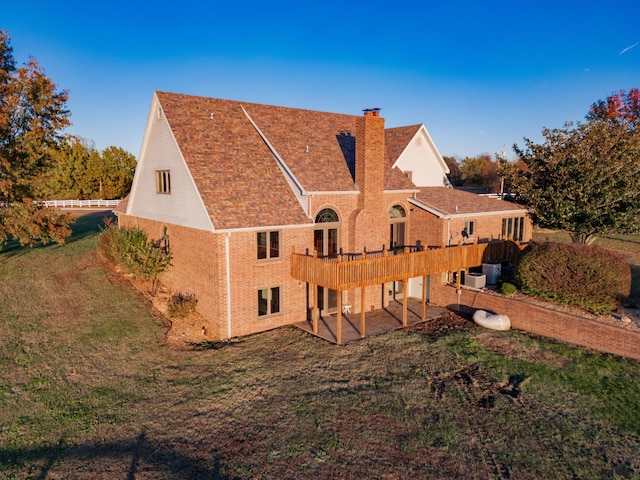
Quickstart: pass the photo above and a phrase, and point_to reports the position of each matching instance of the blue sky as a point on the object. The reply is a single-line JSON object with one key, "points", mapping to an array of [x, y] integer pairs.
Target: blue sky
{"points": [[479, 75]]}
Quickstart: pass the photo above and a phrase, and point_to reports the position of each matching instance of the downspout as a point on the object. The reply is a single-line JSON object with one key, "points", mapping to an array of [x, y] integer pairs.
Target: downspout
{"points": [[228, 276]]}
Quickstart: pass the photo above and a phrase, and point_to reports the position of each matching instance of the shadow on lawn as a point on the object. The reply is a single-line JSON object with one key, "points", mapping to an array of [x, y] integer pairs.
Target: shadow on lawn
{"points": [[634, 297], [83, 226], [107, 460], [89, 224]]}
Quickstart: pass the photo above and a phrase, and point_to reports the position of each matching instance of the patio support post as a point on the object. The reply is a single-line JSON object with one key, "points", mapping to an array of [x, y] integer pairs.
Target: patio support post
{"points": [[339, 326], [315, 308], [363, 277], [362, 313], [424, 297], [404, 302]]}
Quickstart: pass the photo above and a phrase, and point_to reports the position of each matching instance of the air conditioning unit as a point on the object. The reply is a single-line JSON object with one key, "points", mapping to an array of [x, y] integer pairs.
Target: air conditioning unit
{"points": [[475, 280]]}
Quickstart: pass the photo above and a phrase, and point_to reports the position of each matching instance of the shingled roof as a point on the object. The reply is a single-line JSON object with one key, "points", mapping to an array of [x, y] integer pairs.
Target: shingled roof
{"points": [[396, 141], [235, 170], [445, 201]]}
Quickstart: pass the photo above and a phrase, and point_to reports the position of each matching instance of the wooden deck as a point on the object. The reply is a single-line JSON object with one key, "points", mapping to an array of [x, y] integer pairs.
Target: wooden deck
{"points": [[339, 274], [378, 321], [353, 271]]}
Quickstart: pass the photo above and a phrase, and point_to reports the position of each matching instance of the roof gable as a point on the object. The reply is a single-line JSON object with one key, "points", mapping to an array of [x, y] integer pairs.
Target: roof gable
{"points": [[160, 152], [412, 150], [236, 174]]}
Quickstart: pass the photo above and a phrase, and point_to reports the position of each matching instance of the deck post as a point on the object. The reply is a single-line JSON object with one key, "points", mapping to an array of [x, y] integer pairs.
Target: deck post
{"points": [[424, 297], [363, 278], [315, 308], [339, 323], [362, 313], [405, 320]]}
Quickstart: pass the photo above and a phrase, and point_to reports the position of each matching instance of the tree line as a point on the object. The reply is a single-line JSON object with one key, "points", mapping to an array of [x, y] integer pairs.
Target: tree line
{"points": [[479, 173], [80, 171]]}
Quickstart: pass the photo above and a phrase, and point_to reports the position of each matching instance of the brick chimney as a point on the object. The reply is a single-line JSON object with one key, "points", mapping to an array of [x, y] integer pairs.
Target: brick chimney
{"points": [[371, 223], [370, 155]]}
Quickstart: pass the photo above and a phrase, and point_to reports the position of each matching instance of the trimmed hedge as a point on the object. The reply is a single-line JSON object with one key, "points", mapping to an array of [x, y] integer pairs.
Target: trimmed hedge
{"points": [[590, 277]]}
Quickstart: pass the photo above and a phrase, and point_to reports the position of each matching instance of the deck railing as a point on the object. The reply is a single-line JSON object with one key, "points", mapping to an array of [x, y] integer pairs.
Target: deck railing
{"points": [[342, 273]]}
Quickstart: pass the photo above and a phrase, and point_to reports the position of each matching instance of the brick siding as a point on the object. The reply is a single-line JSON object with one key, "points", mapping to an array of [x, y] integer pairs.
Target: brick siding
{"points": [[548, 323]]}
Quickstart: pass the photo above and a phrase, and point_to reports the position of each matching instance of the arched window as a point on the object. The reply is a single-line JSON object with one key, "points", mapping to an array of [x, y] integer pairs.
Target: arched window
{"points": [[398, 218], [397, 211], [327, 215]]}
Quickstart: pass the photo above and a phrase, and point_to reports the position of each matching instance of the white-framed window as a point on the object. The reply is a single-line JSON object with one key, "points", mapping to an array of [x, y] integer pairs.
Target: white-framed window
{"points": [[268, 301], [469, 228], [163, 181], [268, 245]]}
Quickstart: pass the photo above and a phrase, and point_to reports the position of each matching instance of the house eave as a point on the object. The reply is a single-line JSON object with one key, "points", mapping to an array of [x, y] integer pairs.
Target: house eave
{"points": [[442, 214]]}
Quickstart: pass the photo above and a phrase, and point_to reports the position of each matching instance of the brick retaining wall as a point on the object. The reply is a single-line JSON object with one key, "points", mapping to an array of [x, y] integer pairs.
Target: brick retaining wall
{"points": [[549, 323]]}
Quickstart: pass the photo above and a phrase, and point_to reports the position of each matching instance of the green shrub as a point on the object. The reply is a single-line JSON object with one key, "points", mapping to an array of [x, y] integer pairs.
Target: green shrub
{"points": [[130, 248], [508, 289], [584, 275], [182, 304]]}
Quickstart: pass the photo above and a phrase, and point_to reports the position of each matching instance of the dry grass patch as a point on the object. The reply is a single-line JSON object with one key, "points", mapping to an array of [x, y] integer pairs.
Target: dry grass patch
{"points": [[99, 395]]}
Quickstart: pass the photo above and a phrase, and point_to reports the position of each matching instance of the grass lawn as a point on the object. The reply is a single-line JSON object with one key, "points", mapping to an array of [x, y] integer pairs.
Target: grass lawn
{"points": [[89, 390]]}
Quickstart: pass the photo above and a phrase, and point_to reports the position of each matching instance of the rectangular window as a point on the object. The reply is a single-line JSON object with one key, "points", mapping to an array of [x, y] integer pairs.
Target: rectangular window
{"points": [[513, 228], [268, 301], [163, 181], [520, 232], [470, 227], [268, 245]]}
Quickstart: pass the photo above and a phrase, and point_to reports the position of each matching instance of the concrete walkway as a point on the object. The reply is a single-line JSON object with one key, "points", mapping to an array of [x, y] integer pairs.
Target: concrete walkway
{"points": [[376, 322]]}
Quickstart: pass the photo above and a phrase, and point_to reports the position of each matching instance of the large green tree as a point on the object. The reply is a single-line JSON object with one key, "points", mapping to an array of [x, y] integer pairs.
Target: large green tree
{"points": [[583, 179], [115, 173], [80, 171], [32, 115]]}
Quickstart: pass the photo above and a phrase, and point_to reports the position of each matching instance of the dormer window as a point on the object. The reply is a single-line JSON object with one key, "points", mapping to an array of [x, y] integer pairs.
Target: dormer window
{"points": [[163, 181]]}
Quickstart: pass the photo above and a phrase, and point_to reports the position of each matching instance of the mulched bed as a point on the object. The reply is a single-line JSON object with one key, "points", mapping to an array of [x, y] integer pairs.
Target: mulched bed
{"points": [[444, 325]]}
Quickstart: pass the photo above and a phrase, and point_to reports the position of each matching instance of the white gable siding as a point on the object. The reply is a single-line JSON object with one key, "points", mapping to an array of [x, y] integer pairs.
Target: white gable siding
{"points": [[183, 206], [422, 159]]}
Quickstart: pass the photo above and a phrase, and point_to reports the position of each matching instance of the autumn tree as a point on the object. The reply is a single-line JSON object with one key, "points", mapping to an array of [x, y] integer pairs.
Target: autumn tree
{"points": [[617, 108], [481, 171], [582, 179], [32, 114]]}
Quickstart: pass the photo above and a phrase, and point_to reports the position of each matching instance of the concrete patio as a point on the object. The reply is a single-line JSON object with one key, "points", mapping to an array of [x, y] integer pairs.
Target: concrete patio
{"points": [[376, 322]]}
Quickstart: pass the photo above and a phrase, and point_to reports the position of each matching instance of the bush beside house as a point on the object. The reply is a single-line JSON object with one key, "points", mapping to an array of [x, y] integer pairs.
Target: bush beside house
{"points": [[590, 277]]}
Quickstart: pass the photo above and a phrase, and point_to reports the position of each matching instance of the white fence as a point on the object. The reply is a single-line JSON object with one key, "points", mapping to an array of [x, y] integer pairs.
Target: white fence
{"points": [[80, 203]]}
